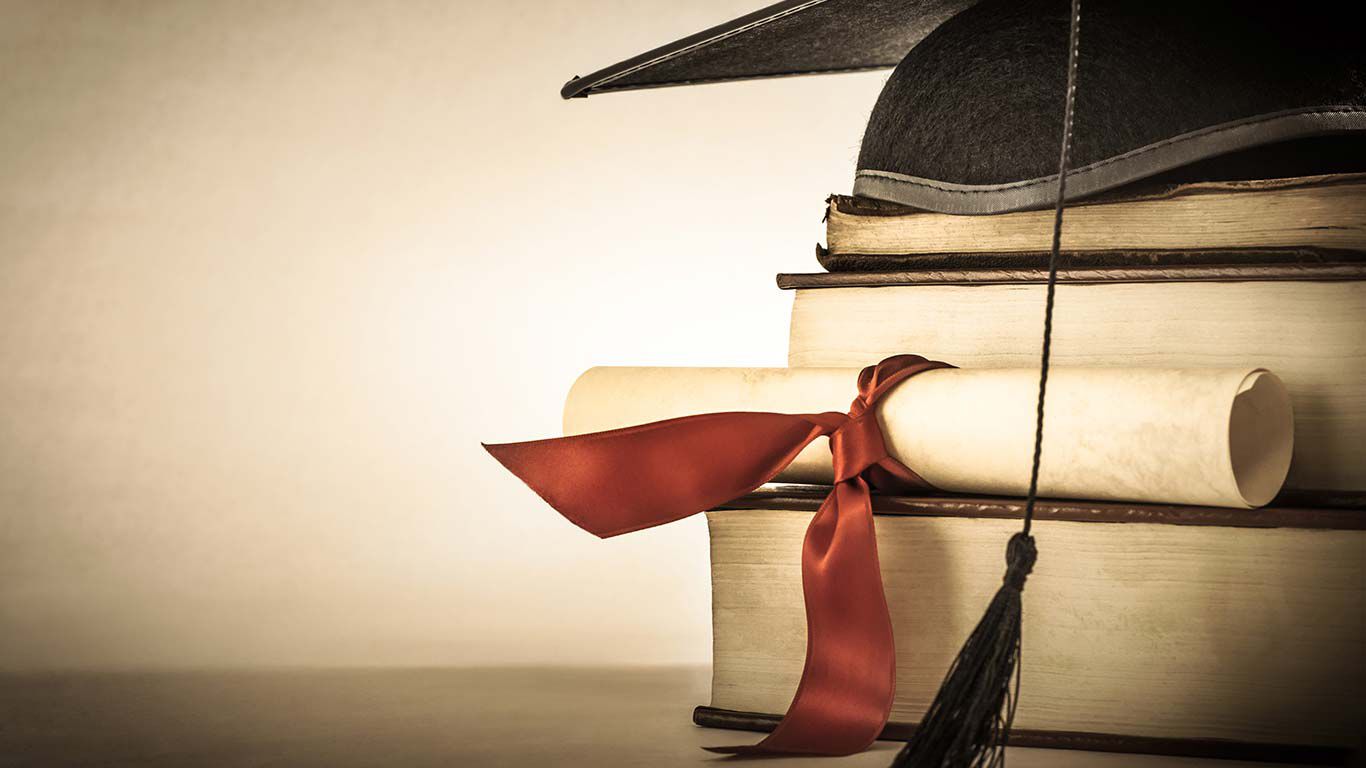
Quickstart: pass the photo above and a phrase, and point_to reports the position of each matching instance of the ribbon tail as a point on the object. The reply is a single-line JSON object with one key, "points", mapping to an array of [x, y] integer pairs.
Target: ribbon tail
{"points": [[849, 680], [623, 480]]}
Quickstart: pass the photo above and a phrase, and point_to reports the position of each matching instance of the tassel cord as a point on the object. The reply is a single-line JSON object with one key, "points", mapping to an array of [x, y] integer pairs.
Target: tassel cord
{"points": [[1064, 159], [969, 721]]}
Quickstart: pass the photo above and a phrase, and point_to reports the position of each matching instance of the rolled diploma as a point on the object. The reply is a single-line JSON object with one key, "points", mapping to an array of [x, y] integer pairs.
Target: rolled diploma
{"points": [[1214, 437]]}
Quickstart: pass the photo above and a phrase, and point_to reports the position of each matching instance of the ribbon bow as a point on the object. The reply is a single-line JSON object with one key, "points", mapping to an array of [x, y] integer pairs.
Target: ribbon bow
{"points": [[623, 480]]}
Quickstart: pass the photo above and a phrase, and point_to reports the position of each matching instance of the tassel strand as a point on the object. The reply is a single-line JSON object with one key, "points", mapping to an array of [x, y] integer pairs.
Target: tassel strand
{"points": [[968, 723]]}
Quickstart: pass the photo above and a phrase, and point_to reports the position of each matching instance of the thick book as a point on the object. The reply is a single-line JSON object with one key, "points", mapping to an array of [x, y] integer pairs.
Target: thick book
{"points": [[1180, 630], [1304, 322], [1294, 219]]}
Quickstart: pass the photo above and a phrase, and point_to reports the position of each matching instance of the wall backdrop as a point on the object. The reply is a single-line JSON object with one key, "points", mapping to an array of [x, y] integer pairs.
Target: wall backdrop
{"points": [[270, 270]]}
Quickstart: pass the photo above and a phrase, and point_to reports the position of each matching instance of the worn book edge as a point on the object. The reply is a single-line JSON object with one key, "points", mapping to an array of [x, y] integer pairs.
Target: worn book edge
{"points": [[1330, 510], [867, 206], [711, 717], [1069, 259], [1152, 273]]}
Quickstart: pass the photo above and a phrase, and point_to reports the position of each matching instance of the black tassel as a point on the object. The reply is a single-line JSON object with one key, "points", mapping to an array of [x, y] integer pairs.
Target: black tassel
{"points": [[968, 723]]}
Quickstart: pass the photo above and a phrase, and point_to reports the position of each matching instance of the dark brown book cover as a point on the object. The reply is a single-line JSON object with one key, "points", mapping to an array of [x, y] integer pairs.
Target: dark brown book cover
{"points": [[1111, 267], [710, 717], [1199, 263], [1290, 510]]}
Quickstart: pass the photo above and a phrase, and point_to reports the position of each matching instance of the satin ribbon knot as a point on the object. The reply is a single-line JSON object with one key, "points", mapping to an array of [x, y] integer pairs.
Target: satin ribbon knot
{"points": [[857, 445], [622, 480]]}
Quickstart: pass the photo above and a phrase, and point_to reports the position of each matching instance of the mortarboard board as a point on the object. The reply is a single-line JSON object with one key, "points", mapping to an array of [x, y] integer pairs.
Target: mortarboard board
{"points": [[967, 122]]}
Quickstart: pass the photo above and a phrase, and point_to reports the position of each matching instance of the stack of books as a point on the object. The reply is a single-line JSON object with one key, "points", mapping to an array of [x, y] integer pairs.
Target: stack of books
{"points": [[1167, 629]]}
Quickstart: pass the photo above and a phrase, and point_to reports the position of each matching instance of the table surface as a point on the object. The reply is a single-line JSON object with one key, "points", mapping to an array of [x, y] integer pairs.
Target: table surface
{"points": [[551, 717]]}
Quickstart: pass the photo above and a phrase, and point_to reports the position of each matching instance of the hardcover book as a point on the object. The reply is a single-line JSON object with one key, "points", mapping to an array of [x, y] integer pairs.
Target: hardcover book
{"points": [[1183, 630], [1304, 321], [1312, 218]]}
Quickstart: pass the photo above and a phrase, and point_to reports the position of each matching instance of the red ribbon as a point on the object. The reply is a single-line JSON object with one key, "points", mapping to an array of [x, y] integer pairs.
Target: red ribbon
{"points": [[615, 482]]}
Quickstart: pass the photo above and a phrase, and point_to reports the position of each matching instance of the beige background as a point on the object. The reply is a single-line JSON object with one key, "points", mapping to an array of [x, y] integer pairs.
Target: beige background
{"points": [[269, 271]]}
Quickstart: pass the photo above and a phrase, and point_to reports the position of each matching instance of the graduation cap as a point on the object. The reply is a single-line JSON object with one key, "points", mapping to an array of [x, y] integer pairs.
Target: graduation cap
{"points": [[967, 123]]}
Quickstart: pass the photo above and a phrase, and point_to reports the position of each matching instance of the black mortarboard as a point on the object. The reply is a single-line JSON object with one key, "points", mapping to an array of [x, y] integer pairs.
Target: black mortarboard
{"points": [[967, 123]]}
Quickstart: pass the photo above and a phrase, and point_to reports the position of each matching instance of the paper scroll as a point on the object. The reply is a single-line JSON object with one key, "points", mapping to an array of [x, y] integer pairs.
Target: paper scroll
{"points": [[1213, 437]]}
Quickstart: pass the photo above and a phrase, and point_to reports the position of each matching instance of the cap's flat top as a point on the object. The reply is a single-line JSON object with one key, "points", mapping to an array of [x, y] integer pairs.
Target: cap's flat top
{"points": [[969, 121], [794, 37]]}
